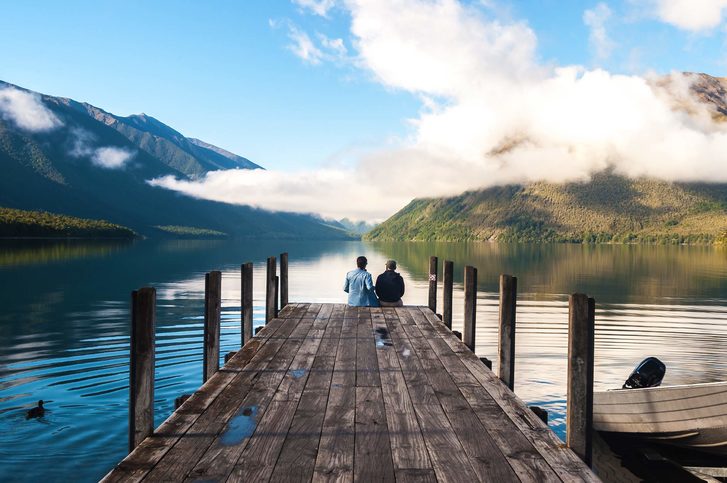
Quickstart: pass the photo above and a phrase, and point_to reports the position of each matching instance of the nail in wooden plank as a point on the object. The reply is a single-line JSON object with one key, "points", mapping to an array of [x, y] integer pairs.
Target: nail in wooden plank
{"points": [[141, 374], [508, 302], [212, 309]]}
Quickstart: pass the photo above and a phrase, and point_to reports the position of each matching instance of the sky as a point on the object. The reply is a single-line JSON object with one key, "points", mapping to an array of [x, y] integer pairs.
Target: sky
{"points": [[354, 107]]}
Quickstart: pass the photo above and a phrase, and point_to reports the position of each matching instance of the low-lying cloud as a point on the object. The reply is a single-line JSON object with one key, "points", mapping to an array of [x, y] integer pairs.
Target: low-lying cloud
{"points": [[492, 113], [108, 157], [26, 110]]}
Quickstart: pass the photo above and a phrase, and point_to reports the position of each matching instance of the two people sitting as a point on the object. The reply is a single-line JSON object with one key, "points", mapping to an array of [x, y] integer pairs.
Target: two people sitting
{"points": [[362, 292]]}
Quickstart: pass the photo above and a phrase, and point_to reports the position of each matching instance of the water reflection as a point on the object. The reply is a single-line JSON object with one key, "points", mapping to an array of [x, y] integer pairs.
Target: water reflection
{"points": [[64, 324]]}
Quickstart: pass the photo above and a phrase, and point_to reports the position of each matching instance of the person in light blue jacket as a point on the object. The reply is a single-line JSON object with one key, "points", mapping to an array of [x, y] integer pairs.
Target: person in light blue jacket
{"points": [[359, 286]]}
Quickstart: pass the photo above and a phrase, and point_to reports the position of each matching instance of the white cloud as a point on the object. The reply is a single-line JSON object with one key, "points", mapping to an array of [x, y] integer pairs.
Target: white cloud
{"points": [[303, 46], [595, 19], [491, 114], [108, 157], [111, 157], [26, 110], [319, 7], [692, 15]]}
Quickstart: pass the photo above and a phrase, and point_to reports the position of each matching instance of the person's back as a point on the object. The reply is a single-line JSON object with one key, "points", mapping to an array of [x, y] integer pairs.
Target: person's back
{"points": [[390, 286], [360, 286]]}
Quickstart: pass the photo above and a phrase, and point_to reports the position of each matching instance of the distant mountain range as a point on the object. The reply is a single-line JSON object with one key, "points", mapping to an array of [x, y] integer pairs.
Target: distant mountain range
{"points": [[72, 158], [608, 208]]}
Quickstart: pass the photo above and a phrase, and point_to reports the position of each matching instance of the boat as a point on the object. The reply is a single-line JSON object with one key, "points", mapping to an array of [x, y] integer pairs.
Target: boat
{"points": [[690, 415]]}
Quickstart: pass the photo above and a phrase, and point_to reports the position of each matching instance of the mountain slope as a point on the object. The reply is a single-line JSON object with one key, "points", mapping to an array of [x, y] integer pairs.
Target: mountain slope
{"points": [[608, 208], [89, 164]]}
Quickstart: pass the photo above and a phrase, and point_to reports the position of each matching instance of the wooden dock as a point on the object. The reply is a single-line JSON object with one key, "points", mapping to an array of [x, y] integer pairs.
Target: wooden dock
{"points": [[336, 393]]}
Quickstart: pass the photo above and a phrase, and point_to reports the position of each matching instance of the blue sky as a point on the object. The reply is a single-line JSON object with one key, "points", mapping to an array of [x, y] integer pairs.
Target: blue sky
{"points": [[223, 70], [355, 107]]}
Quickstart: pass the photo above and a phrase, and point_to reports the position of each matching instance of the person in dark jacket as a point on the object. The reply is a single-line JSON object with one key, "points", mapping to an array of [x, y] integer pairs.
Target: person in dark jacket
{"points": [[390, 286]]}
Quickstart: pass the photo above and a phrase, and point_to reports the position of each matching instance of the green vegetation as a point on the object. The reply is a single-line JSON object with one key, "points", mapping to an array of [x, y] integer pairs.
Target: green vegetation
{"points": [[190, 231], [607, 209], [22, 224]]}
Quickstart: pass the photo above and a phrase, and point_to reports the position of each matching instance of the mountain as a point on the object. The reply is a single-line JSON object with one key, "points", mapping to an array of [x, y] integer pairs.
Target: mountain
{"points": [[608, 208], [71, 158]]}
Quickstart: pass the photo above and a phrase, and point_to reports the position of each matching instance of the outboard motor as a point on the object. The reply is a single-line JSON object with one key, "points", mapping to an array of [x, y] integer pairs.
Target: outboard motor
{"points": [[649, 373]]}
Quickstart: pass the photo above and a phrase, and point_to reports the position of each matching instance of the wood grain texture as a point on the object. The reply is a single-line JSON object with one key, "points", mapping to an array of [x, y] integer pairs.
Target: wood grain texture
{"points": [[141, 366], [246, 274], [328, 392]]}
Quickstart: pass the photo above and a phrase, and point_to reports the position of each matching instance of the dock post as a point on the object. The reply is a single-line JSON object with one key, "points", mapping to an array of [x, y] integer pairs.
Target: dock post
{"points": [[433, 269], [283, 280], [141, 371], [270, 289], [277, 295], [246, 302], [579, 405], [508, 306], [447, 293], [470, 306], [212, 309]]}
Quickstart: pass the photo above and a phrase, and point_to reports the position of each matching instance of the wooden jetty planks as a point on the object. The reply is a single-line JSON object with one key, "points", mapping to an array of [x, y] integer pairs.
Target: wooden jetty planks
{"points": [[337, 393], [139, 462], [246, 400], [524, 459], [563, 461]]}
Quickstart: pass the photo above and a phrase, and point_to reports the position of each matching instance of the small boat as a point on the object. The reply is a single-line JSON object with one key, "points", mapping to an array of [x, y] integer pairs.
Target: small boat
{"points": [[692, 415]]}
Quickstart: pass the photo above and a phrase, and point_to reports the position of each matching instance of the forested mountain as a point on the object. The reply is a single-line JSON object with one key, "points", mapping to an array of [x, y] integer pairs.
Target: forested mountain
{"points": [[69, 158], [608, 208]]}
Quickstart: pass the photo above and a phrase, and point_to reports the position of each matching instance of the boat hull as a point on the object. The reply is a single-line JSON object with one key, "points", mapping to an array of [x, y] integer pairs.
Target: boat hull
{"points": [[693, 416]]}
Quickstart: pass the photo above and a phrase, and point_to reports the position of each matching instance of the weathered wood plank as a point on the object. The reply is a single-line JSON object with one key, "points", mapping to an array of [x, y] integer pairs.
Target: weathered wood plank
{"points": [[484, 454], [447, 289], [408, 450], [563, 461], [153, 449], [367, 365], [372, 461], [334, 461], [433, 273], [527, 463], [201, 452]]}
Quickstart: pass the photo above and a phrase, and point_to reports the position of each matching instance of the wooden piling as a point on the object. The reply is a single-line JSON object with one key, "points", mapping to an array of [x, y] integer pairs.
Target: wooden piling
{"points": [[579, 406], [141, 373], [470, 306], [283, 280], [212, 309], [447, 293], [277, 295], [508, 305], [433, 269], [246, 302], [270, 289]]}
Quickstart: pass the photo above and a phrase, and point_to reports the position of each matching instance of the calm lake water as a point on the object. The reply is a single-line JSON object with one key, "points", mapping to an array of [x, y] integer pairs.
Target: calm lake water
{"points": [[64, 324]]}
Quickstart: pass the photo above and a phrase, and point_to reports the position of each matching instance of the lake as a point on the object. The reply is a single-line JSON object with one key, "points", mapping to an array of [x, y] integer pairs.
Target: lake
{"points": [[64, 324]]}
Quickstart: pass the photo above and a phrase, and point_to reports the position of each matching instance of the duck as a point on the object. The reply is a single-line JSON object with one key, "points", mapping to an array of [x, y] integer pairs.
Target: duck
{"points": [[36, 412]]}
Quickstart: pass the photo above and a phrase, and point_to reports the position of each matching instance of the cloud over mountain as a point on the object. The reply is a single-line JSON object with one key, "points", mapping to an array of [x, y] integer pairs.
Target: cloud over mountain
{"points": [[492, 113], [26, 110]]}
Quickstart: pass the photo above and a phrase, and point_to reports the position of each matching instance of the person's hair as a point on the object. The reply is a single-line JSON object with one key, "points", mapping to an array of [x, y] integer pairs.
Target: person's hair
{"points": [[361, 262], [391, 265]]}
